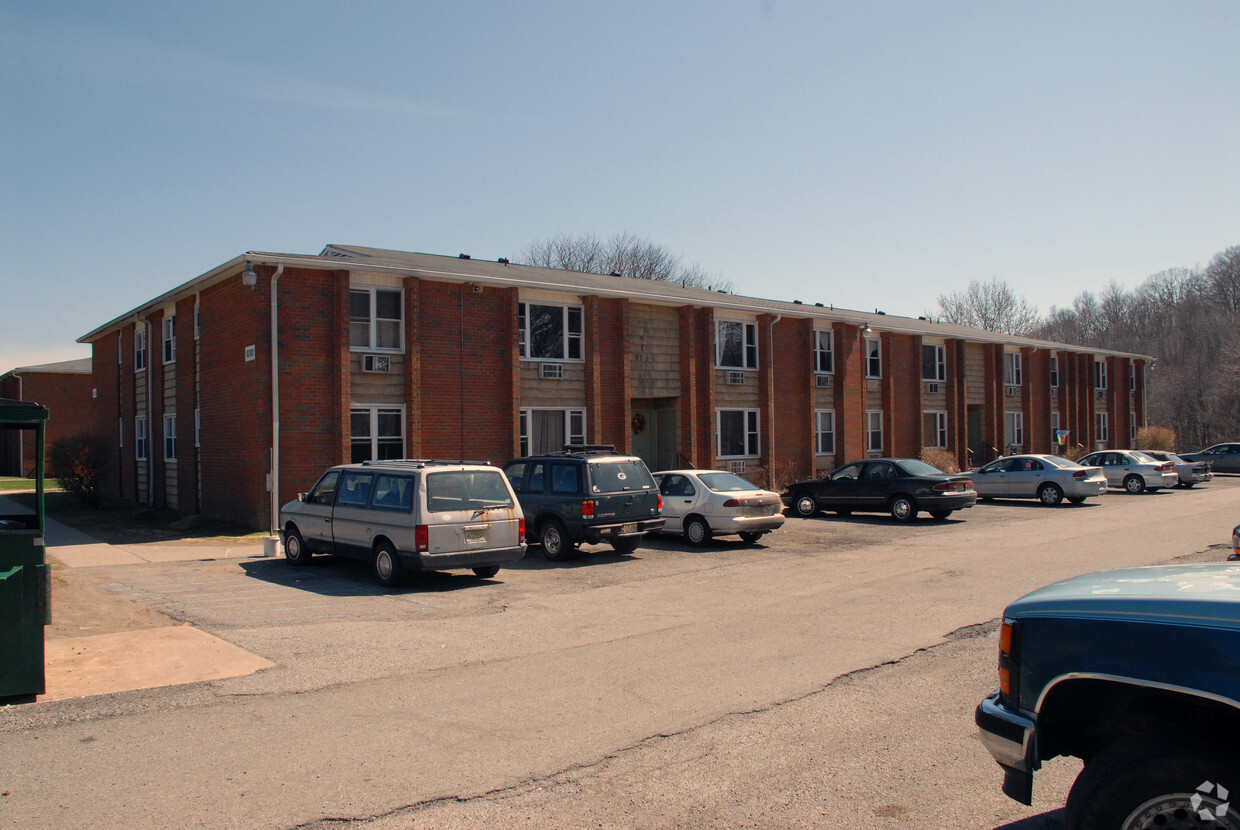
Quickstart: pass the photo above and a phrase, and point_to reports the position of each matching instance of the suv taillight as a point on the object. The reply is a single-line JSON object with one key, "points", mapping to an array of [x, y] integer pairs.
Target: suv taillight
{"points": [[521, 531], [422, 538], [660, 502], [1008, 674], [587, 509]]}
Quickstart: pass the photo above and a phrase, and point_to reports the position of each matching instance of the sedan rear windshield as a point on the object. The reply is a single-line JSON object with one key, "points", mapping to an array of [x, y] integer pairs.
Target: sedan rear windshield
{"points": [[725, 482], [619, 476]]}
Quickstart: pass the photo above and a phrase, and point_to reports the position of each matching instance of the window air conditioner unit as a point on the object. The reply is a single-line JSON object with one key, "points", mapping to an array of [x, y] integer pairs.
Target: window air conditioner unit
{"points": [[736, 377], [737, 468], [932, 388], [822, 380], [1054, 391], [380, 363], [552, 371], [1013, 391], [1101, 393]]}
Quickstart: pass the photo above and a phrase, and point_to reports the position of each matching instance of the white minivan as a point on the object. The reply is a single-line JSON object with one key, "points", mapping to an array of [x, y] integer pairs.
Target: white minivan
{"points": [[408, 515]]}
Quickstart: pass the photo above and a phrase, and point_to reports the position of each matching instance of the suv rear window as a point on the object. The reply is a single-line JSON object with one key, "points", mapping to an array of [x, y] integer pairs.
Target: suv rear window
{"points": [[619, 476], [466, 490]]}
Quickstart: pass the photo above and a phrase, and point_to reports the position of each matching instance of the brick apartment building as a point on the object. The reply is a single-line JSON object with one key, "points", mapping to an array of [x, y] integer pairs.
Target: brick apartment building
{"points": [[232, 392], [64, 388]]}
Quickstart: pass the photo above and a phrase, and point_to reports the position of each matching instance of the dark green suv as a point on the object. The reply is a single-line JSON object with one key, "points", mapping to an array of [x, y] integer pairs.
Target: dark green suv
{"points": [[586, 493]]}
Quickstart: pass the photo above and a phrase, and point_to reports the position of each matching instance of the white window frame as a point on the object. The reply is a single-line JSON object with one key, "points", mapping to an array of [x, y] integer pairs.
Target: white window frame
{"points": [[751, 424], [139, 438], [197, 428], [1102, 427], [197, 314], [874, 430], [1012, 375], [170, 338], [572, 343], [374, 411], [1100, 375], [1014, 428], [938, 440], [139, 348], [873, 358], [1132, 378], [1055, 431], [824, 432], [373, 321], [574, 425], [1054, 371], [749, 344], [824, 351], [170, 438], [940, 362]]}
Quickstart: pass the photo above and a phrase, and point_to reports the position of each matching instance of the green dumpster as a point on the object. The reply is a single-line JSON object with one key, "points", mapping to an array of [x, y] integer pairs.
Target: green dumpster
{"points": [[25, 579]]}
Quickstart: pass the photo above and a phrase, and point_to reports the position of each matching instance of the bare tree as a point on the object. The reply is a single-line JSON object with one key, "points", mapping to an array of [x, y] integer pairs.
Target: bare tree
{"points": [[992, 306], [624, 254]]}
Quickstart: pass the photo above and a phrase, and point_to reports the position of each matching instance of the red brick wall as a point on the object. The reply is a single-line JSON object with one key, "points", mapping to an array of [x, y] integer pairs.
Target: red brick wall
{"points": [[849, 391], [607, 373], [957, 394], [68, 401], [902, 390], [788, 418], [186, 402], [1037, 399], [697, 379]]}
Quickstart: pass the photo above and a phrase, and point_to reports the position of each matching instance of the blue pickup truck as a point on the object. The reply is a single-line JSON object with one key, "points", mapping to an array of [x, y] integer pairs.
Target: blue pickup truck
{"points": [[1137, 672]]}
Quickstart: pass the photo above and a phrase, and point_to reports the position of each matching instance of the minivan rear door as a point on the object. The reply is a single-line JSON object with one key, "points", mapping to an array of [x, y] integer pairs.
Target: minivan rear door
{"points": [[469, 511]]}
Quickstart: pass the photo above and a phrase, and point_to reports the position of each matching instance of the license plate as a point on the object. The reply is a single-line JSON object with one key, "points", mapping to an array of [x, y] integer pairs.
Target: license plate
{"points": [[629, 527], [756, 510], [474, 535]]}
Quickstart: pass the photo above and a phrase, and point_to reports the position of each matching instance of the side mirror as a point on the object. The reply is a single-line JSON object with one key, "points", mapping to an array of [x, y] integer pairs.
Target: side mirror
{"points": [[302, 496]]}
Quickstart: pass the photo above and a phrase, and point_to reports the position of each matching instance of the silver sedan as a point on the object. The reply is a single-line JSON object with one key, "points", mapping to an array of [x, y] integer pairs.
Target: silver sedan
{"points": [[1047, 478], [1190, 472], [1133, 470], [705, 503]]}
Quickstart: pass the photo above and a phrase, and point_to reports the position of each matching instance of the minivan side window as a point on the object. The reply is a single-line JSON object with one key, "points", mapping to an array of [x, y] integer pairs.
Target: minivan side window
{"points": [[325, 491], [354, 489], [393, 493]]}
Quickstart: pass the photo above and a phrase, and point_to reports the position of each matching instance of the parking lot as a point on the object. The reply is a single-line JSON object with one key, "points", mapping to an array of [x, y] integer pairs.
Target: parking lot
{"points": [[825, 677]]}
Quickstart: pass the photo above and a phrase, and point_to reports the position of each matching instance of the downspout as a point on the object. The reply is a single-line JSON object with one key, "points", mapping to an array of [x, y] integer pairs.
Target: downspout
{"points": [[150, 426], [275, 404]]}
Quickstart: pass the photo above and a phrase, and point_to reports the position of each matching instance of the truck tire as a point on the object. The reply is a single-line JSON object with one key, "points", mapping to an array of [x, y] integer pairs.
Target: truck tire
{"points": [[1135, 785]]}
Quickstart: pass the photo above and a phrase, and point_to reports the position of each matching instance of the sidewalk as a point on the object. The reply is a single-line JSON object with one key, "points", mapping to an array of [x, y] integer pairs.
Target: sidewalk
{"points": [[143, 658]]}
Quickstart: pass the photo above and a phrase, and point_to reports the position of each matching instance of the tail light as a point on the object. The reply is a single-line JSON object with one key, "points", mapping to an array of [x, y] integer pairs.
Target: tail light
{"points": [[660, 502], [521, 531], [949, 486], [1162, 468], [422, 538], [1080, 474], [587, 509], [742, 502], [1008, 674]]}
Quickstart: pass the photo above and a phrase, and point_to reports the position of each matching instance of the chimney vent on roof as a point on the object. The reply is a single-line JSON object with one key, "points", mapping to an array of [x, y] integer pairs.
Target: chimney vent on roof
{"points": [[463, 256], [502, 260]]}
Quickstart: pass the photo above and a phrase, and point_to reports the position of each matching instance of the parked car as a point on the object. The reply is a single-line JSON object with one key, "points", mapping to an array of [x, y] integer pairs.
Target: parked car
{"points": [[1222, 458], [586, 493], [1132, 470], [408, 515], [1190, 472], [1133, 671], [706, 503], [1047, 478], [901, 486]]}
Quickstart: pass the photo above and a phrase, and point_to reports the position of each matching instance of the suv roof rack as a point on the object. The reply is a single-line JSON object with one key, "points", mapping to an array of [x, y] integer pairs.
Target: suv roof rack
{"points": [[587, 449], [425, 462]]}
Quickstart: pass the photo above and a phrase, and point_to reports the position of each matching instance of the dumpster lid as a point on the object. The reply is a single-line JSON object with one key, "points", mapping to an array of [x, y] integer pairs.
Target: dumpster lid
{"points": [[14, 411]]}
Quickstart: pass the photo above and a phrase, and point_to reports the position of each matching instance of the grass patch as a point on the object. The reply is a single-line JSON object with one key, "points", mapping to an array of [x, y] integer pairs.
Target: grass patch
{"points": [[9, 483], [129, 524]]}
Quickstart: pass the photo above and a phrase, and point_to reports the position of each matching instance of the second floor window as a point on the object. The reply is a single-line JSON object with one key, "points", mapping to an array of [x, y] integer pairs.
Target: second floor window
{"points": [[933, 362], [139, 348], [873, 358], [1011, 368], [375, 319], [549, 332], [1054, 371], [736, 345], [170, 339], [824, 358], [1100, 374]]}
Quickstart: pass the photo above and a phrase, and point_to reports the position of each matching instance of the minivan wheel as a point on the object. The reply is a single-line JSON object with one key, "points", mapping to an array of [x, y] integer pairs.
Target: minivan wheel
{"points": [[295, 547], [697, 531], [903, 508], [388, 568], [487, 572], [1134, 484], [1050, 494], [554, 540]]}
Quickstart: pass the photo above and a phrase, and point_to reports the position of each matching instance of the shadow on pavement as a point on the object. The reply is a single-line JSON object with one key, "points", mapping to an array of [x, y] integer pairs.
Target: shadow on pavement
{"points": [[1046, 821]]}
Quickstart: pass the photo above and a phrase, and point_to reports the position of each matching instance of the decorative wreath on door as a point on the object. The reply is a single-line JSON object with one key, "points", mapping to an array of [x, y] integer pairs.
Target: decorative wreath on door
{"points": [[639, 424]]}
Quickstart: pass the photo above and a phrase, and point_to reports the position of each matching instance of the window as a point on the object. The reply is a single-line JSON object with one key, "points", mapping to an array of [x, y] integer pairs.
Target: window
{"points": [[1132, 377], [548, 430], [1100, 374], [874, 430], [170, 338], [934, 429], [170, 438], [139, 348], [549, 332], [139, 438], [933, 362], [873, 358], [395, 492], [738, 433], [1054, 371], [824, 357], [354, 489], [1011, 369], [1101, 431], [1014, 429], [736, 345], [197, 312], [197, 427], [375, 319], [824, 431], [1058, 438], [377, 433]]}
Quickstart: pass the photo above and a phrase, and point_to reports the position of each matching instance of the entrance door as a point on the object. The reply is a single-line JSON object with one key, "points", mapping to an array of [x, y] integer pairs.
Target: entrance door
{"points": [[655, 437], [977, 444]]}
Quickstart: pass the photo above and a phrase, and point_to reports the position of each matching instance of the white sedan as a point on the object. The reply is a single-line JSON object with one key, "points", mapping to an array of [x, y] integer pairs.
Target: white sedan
{"points": [[705, 503], [1047, 478]]}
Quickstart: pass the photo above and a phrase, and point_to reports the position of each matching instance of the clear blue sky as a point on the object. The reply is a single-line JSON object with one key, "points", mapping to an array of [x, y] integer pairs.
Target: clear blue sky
{"points": [[866, 154]]}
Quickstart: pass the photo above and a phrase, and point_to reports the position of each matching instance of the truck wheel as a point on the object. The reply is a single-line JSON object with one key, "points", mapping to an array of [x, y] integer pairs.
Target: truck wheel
{"points": [[697, 531], [554, 540], [388, 568], [1134, 484], [625, 544], [1135, 786], [1050, 494], [295, 547]]}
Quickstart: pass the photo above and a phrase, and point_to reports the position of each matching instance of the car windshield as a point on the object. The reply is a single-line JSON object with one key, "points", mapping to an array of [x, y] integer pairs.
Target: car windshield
{"points": [[919, 468], [725, 482], [619, 476]]}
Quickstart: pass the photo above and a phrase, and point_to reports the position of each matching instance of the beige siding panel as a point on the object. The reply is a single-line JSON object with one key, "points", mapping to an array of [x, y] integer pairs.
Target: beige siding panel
{"points": [[377, 387], [374, 278], [975, 373], [654, 338], [567, 391], [732, 395]]}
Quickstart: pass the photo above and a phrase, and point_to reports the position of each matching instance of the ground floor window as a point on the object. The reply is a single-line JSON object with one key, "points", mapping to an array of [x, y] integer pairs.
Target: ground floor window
{"points": [[824, 431], [934, 429], [874, 430], [1102, 433], [550, 430], [139, 438], [377, 433], [738, 433], [170, 438], [1014, 429]]}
